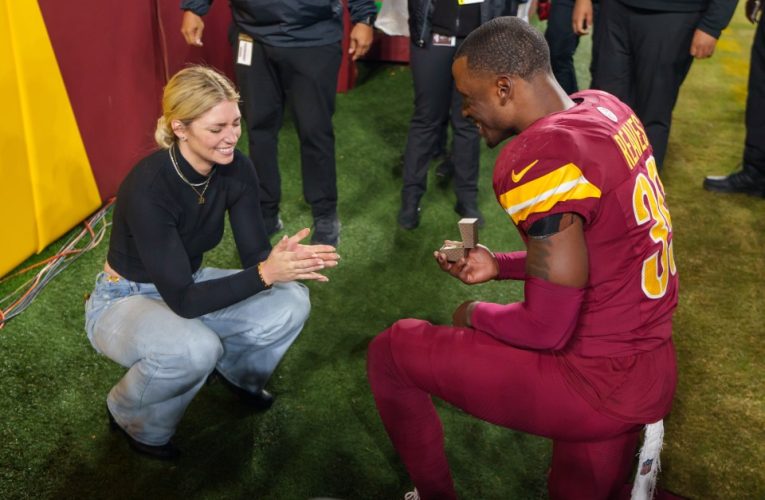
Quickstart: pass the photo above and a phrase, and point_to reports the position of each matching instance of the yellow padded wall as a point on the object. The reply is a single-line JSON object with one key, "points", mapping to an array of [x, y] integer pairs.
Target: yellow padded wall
{"points": [[18, 235], [45, 142]]}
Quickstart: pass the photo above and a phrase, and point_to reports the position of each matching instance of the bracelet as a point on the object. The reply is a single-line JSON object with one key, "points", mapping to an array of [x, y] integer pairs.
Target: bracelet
{"points": [[260, 275]]}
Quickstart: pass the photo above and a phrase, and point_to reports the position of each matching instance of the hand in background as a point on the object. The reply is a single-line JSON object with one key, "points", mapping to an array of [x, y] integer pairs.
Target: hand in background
{"points": [[290, 260], [361, 39], [702, 45], [478, 266], [581, 18], [192, 27]]}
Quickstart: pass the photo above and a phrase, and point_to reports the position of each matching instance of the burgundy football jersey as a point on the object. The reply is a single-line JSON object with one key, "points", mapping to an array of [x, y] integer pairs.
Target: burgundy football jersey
{"points": [[594, 160]]}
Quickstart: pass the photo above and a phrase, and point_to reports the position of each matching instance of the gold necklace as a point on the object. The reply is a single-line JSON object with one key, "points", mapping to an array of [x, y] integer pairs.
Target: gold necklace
{"points": [[205, 183]]}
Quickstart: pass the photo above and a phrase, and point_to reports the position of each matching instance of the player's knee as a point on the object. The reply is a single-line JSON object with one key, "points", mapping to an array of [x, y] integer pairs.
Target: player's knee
{"points": [[408, 326], [378, 354]]}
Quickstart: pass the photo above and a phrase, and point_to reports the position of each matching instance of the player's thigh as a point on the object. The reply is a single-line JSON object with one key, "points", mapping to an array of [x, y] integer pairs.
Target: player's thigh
{"points": [[515, 388]]}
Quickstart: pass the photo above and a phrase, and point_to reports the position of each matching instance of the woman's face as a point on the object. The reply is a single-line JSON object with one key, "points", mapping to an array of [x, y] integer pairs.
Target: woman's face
{"points": [[210, 139]]}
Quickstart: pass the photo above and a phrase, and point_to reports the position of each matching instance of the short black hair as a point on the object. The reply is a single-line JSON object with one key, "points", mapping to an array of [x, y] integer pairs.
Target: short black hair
{"points": [[506, 45]]}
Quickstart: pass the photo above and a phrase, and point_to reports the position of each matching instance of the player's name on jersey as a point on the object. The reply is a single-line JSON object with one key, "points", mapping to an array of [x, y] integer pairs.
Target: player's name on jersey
{"points": [[632, 140]]}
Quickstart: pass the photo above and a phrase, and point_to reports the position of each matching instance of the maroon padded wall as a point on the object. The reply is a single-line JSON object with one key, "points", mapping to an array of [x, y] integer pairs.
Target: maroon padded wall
{"points": [[114, 57]]}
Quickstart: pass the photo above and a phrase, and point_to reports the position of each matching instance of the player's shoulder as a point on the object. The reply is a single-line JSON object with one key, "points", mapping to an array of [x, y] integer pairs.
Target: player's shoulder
{"points": [[537, 152]]}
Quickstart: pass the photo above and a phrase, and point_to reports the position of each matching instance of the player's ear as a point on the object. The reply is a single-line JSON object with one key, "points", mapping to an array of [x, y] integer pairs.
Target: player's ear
{"points": [[504, 88]]}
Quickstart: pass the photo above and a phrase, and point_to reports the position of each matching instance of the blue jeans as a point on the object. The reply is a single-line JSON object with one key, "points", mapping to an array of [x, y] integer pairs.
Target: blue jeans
{"points": [[169, 357]]}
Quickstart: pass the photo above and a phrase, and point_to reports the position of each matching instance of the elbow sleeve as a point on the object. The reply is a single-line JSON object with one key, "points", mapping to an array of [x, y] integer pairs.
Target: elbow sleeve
{"points": [[545, 320], [512, 265]]}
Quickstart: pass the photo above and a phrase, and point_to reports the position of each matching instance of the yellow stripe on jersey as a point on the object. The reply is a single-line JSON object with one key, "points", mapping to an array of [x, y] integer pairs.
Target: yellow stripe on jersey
{"points": [[541, 194]]}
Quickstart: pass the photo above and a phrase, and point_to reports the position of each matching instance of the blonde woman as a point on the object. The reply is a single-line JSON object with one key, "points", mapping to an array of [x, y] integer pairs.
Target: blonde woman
{"points": [[155, 310]]}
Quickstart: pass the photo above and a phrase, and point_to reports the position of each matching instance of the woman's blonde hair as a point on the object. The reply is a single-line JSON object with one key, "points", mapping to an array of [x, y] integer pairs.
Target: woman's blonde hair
{"points": [[189, 94]]}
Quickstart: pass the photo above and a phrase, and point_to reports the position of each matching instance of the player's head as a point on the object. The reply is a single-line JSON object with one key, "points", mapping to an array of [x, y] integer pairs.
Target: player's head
{"points": [[492, 58], [189, 94]]}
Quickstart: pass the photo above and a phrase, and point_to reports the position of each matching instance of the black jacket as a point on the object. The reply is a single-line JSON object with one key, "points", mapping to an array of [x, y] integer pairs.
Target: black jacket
{"points": [[716, 13], [420, 12], [290, 23]]}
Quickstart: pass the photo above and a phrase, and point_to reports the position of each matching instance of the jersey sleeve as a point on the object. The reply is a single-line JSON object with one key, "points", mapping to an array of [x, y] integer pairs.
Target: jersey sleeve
{"points": [[544, 174], [245, 216]]}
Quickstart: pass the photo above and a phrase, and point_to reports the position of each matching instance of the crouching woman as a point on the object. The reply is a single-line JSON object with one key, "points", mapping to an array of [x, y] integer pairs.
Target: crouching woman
{"points": [[155, 310]]}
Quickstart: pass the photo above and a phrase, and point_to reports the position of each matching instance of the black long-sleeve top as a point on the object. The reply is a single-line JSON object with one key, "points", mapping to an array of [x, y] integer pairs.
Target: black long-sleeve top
{"points": [[160, 231]]}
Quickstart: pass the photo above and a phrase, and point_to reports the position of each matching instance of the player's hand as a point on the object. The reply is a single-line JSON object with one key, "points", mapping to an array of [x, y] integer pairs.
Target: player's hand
{"points": [[290, 260], [361, 39], [753, 10], [581, 17], [192, 27], [478, 266], [702, 45], [461, 315]]}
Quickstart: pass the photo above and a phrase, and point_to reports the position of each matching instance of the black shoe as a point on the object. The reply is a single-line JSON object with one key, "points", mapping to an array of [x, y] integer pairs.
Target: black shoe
{"points": [[167, 451], [261, 400], [409, 215], [444, 172], [273, 225], [470, 212], [326, 230], [737, 182]]}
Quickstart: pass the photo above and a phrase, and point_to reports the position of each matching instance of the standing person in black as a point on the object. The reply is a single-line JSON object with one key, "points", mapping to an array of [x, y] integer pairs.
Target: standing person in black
{"points": [[436, 29], [563, 42], [751, 178], [290, 51], [155, 310], [645, 49]]}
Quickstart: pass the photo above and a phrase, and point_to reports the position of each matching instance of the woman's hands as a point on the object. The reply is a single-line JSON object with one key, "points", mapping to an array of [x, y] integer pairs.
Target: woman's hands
{"points": [[478, 266], [290, 260]]}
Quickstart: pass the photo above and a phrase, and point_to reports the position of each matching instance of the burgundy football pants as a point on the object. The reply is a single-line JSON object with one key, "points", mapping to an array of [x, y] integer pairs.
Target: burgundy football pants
{"points": [[523, 390]]}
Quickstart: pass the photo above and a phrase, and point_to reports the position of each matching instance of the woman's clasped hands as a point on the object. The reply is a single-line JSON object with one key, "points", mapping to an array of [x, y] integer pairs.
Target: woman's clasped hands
{"points": [[290, 260]]}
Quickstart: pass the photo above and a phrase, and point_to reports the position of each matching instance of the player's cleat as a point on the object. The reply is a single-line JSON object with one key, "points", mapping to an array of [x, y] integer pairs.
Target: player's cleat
{"points": [[743, 181], [167, 451]]}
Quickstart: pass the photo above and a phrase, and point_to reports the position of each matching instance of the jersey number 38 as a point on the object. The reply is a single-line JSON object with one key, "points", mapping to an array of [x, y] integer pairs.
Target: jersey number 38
{"points": [[649, 208]]}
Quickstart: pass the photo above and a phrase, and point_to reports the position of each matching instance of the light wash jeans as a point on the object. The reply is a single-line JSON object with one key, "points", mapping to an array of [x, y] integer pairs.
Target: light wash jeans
{"points": [[169, 357]]}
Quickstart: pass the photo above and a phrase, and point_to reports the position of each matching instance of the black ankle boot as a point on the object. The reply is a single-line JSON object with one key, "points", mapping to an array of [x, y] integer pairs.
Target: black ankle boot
{"points": [[743, 181], [167, 451], [261, 400], [409, 215]]}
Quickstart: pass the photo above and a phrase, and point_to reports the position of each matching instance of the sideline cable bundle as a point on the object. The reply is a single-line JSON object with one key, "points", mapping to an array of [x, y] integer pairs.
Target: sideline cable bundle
{"points": [[25, 294]]}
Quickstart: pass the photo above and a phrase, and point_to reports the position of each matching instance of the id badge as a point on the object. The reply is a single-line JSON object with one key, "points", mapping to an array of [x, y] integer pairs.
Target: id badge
{"points": [[444, 41], [466, 2], [244, 54]]}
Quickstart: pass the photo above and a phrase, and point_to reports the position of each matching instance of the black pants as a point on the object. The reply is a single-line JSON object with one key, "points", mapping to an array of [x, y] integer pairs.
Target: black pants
{"points": [[435, 101], [563, 42], [306, 77], [754, 148], [643, 58]]}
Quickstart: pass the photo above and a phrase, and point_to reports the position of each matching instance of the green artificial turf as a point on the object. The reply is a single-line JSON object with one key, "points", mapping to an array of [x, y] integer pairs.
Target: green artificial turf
{"points": [[323, 438]]}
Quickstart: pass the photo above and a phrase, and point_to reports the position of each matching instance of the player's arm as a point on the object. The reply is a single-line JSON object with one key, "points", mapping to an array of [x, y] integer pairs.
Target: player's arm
{"points": [[557, 271]]}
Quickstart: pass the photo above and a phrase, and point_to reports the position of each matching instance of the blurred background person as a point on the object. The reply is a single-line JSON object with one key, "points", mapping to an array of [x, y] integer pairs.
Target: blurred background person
{"points": [[290, 51], [751, 178], [437, 28]]}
